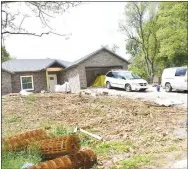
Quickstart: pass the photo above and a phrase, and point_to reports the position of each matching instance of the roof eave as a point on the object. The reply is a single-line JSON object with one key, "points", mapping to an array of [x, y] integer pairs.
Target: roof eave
{"points": [[7, 71], [53, 63]]}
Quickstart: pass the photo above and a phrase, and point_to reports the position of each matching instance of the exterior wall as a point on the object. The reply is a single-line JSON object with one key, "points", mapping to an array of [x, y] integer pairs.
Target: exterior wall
{"points": [[72, 76], [103, 58], [6, 85], [39, 80]]}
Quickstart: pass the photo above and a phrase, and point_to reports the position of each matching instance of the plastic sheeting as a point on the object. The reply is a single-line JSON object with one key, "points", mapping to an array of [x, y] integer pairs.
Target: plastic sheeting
{"points": [[99, 81], [63, 88], [25, 93]]}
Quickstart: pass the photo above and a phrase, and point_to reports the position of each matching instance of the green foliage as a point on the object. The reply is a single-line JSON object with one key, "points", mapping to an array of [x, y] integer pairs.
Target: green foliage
{"points": [[135, 162], [138, 67], [113, 147], [31, 98], [159, 40], [59, 131], [14, 119], [4, 54], [15, 160], [172, 33]]}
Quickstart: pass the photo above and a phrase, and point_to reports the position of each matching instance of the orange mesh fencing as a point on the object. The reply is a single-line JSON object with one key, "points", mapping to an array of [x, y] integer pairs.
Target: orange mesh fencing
{"points": [[21, 141], [83, 159], [52, 148]]}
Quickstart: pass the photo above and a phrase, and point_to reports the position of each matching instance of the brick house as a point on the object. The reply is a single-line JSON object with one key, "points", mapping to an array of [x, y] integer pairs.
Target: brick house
{"points": [[43, 74]]}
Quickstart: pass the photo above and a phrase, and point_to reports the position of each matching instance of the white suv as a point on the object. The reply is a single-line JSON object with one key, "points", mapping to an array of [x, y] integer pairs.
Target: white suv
{"points": [[126, 80]]}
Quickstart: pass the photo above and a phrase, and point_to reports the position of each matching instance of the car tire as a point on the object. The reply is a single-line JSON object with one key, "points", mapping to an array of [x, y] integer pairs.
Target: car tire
{"points": [[108, 85], [128, 88], [168, 87]]}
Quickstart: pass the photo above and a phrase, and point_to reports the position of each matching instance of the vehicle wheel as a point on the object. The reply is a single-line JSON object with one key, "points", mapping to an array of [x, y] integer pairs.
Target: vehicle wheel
{"points": [[128, 88], [108, 85], [142, 90], [168, 87]]}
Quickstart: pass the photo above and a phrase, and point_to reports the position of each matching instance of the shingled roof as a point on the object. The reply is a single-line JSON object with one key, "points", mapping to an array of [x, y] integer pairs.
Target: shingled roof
{"points": [[31, 65]]}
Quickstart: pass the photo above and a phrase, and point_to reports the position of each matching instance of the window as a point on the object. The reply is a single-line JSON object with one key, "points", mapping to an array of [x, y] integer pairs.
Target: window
{"points": [[180, 72], [51, 78], [27, 82], [130, 75], [109, 74], [115, 75]]}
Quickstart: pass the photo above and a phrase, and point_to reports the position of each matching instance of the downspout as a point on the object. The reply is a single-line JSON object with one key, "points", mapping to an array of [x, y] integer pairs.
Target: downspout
{"points": [[47, 81]]}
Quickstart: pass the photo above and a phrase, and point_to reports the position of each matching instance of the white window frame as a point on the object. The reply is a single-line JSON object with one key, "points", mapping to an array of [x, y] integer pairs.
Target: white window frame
{"points": [[32, 82]]}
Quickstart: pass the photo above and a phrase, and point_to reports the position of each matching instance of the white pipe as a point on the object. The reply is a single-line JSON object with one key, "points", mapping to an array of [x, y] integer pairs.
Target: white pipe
{"points": [[90, 134]]}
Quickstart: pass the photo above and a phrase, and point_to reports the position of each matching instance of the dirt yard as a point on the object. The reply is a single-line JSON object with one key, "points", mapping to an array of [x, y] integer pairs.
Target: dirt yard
{"points": [[131, 129]]}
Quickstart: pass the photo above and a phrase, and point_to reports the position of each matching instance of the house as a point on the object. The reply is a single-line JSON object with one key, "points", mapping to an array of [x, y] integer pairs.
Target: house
{"points": [[43, 74]]}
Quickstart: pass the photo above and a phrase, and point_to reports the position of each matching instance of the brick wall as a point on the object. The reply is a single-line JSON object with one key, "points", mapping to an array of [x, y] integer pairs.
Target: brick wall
{"points": [[72, 77], [39, 80], [102, 58], [6, 85], [77, 75]]}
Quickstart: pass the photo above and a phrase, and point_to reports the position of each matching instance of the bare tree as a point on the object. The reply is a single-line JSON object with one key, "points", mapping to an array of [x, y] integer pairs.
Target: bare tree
{"points": [[12, 22], [114, 47]]}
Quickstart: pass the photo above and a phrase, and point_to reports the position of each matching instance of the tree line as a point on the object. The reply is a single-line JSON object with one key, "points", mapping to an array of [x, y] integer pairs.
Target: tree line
{"points": [[156, 36]]}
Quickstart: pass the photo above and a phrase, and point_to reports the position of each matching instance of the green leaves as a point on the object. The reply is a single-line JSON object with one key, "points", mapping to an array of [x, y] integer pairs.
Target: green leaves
{"points": [[4, 54], [172, 32], [157, 36]]}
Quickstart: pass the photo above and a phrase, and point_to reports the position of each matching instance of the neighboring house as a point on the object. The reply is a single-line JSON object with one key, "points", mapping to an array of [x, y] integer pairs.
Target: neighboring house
{"points": [[43, 74]]}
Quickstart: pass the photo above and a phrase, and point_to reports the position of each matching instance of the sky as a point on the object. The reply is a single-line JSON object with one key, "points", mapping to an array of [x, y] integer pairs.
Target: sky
{"points": [[90, 25]]}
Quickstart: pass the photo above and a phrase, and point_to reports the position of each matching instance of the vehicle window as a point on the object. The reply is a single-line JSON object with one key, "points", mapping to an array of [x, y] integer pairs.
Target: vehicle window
{"points": [[180, 72], [109, 74], [120, 76], [130, 75], [115, 75]]}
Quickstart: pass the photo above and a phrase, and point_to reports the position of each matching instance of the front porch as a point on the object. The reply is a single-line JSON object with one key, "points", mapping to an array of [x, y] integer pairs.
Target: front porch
{"points": [[54, 76]]}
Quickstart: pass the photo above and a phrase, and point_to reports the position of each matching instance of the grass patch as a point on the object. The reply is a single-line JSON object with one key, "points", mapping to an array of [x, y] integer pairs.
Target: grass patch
{"points": [[59, 130], [113, 147], [15, 160], [135, 162], [169, 148], [31, 98], [14, 119]]}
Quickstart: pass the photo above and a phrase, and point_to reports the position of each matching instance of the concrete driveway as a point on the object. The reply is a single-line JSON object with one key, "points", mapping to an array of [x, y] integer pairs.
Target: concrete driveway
{"points": [[173, 98]]}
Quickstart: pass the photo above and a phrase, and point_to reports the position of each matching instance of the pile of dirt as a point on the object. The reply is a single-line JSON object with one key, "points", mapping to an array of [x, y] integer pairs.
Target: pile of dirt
{"points": [[113, 118]]}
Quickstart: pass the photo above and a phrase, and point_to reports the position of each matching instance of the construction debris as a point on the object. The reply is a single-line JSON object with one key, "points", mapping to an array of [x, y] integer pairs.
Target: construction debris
{"points": [[82, 159], [25, 93], [88, 133], [99, 81], [63, 88], [52, 148], [21, 141]]}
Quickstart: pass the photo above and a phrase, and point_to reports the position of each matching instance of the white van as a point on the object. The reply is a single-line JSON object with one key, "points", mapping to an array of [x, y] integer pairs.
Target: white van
{"points": [[126, 80], [174, 78]]}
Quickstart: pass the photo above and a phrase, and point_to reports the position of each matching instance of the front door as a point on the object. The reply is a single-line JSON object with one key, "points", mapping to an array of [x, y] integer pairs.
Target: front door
{"points": [[52, 78]]}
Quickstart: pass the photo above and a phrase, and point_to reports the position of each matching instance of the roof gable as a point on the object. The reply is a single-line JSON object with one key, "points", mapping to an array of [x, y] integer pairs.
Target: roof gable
{"points": [[94, 53]]}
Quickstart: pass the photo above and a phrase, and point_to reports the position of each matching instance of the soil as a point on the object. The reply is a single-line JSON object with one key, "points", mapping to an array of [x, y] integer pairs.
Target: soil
{"points": [[112, 117]]}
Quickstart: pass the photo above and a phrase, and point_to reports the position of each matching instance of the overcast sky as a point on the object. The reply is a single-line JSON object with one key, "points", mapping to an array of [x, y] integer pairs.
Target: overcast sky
{"points": [[91, 25]]}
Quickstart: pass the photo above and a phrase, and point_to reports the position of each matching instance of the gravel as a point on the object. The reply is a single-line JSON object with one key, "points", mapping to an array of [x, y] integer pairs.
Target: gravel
{"points": [[151, 94]]}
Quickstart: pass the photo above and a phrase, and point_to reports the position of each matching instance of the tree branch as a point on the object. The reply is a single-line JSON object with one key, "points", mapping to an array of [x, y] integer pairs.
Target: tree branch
{"points": [[34, 34]]}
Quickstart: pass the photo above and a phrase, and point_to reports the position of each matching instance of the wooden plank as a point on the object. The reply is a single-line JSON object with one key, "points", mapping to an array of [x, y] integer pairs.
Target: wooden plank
{"points": [[54, 69]]}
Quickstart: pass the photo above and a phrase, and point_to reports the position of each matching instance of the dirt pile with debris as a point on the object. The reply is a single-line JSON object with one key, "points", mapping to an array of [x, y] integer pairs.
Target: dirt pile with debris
{"points": [[114, 118]]}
